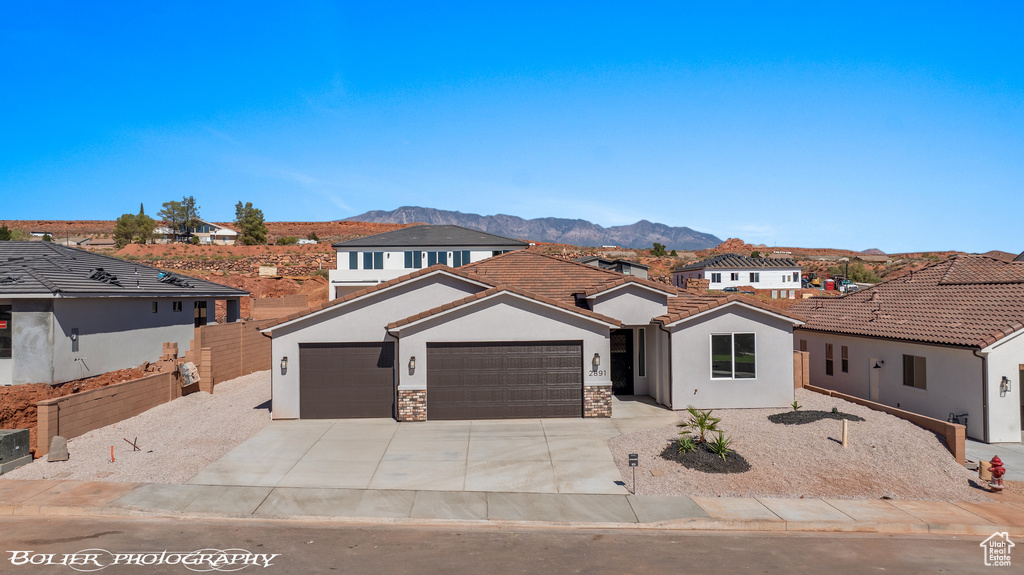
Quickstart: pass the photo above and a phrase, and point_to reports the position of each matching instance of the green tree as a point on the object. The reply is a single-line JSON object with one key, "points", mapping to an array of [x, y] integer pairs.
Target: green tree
{"points": [[182, 217], [251, 228], [47, 238], [172, 214], [658, 250], [673, 254], [856, 273], [287, 240], [125, 230], [5, 233], [755, 254], [144, 226], [190, 214], [313, 236]]}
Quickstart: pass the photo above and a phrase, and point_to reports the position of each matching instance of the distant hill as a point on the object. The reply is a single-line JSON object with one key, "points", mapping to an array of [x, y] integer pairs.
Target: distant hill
{"points": [[642, 234], [873, 252]]}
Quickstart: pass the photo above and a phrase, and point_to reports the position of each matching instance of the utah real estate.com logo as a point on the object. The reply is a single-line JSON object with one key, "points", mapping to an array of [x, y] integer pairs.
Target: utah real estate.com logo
{"points": [[997, 549]]}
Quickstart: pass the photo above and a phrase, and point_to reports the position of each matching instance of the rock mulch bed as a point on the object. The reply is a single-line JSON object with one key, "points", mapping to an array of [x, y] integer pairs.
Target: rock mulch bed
{"points": [[886, 457], [177, 439]]}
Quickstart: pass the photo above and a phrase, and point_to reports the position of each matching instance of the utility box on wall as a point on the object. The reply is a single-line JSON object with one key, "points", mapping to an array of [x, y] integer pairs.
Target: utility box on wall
{"points": [[13, 449]]}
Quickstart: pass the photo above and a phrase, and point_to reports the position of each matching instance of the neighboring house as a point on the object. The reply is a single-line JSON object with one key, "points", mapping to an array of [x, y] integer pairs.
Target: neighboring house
{"points": [[780, 276], [1019, 258], [368, 261], [622, 266], [524, 334], [67, 313], [941, 341], [206, 232]]}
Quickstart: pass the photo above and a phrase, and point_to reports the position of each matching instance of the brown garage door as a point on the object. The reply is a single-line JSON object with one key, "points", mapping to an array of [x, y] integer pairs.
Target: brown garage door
{"points": [[346, 380], [504, 380]]}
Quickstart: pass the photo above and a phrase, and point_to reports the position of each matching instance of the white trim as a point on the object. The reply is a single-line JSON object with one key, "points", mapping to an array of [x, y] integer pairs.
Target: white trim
{"points": [[732, 343], [375, 292], [494, 295], [741, 304], [629, 283], [1002, 340]]}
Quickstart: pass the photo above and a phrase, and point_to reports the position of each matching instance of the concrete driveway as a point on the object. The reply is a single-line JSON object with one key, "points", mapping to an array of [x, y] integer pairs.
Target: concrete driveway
{"points": [[529, 455]]}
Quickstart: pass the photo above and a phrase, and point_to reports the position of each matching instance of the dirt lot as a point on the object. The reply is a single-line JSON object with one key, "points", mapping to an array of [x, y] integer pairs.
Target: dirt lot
{"points": [[18, 402]]}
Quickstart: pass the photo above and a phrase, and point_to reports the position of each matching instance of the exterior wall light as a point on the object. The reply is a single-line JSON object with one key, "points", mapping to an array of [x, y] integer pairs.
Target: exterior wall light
{"points": [[284, 364], [596, 361], [412, 364], [1004, 385], [879, 364]]}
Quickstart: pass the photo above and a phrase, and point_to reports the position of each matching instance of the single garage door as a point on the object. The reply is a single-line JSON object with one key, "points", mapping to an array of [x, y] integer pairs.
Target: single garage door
{"points": [[504, 380], [346, 380]]}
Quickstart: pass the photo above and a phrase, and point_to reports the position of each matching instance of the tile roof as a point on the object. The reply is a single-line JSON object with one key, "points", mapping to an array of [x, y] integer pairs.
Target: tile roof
{"points": [[503, 289], [374, 288], [48, 269], [431, 236], [734, 261], [968, 301], [553, 277], [686, 305]]}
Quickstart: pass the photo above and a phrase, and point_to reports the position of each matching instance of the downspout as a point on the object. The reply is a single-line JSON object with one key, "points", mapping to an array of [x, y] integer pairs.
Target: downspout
{"points": [[661, 326], [398, 372], [984, 394]]}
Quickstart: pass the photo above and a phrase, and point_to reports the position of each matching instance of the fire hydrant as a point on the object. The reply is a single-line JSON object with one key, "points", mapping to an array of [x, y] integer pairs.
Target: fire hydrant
{"points": [[997, 470]]}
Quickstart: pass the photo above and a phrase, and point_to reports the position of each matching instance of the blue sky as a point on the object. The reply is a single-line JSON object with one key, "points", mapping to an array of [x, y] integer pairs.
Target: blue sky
{"points": [[822, 124]]}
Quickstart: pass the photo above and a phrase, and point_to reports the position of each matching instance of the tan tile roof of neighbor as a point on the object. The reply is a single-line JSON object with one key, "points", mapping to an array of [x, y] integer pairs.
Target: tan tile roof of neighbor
{"points": [[686, 305], [970, 301], [500, 289], [552, 277]]}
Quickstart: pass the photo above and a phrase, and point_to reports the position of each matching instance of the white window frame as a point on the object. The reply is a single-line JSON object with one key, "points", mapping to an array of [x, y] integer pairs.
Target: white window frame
{"points": [[711, 356], [716, 277]]}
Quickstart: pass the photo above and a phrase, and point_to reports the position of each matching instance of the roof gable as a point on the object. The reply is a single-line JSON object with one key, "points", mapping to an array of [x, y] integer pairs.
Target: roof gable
{"points": [[430, 236], [688, 306]]}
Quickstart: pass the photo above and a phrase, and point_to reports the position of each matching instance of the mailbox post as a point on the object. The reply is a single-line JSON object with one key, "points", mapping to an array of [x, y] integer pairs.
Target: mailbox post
{"points": [[634, 461]]}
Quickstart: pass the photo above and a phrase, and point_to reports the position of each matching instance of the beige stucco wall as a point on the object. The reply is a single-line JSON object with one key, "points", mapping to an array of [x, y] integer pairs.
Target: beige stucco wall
{"points": [[954, 376]]}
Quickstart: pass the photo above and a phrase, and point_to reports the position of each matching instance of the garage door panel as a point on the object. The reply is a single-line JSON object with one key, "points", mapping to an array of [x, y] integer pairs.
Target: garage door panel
{"points": [[504, 380], [346, 380]]}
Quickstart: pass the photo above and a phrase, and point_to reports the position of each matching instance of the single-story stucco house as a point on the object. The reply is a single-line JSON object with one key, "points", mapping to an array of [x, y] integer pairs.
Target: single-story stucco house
{"points": [[523, 334], [944, 341], [67, 313]]}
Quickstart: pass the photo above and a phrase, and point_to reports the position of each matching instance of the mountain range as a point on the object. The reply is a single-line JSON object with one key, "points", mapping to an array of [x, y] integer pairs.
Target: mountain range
{"points": [[642, 234]]}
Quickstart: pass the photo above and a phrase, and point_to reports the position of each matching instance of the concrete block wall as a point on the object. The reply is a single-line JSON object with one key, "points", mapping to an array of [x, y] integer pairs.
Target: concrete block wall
{"points": [[74, 415], [229, 350], [954, 434], [274, 307]]}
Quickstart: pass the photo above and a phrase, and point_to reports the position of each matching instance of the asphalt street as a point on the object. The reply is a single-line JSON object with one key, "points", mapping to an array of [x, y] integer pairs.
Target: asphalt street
{"points": [[152, 545]]}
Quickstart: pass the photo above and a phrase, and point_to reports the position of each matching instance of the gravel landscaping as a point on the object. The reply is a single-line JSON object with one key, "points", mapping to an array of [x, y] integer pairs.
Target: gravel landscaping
{"points": [[886, 457], [177, 439]]}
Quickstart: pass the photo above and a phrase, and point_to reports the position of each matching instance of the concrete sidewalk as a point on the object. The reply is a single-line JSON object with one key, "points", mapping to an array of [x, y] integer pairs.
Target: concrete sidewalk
{"points": [[50, 497]]}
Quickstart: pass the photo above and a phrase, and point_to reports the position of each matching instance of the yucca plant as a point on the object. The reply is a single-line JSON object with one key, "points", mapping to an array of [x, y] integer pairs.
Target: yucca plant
{"points": [[796, 406], [686, 443], [720, 445]]}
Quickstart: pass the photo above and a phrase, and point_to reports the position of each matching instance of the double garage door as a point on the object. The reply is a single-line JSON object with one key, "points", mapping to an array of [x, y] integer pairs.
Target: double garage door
{"points": [[490, 380]]}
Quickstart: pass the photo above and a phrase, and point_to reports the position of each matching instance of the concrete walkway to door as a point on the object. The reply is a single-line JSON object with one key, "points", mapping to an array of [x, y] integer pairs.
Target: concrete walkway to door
{"points": [[529, 455]]}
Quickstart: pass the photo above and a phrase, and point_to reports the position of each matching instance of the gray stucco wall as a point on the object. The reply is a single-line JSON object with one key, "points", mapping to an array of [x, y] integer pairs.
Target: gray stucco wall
{"points": [[32, 345], [360, 320], [503, 318], [691, 361], [631, 305], [954, 375]]}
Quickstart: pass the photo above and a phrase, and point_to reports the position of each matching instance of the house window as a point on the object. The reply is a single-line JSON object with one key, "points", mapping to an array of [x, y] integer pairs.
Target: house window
{"points": [[803, 345], [200, 313], [373, 260], [755, 277], [844, 365], [499, 252], [6, 332], [437, 258], [914, 373], [733, 356], [829, 368], [641, 352], [716, 278], [775, 294], [460, 258], [353, 260], [175, 306], [734, 276], [414, 260], [154, 307]]}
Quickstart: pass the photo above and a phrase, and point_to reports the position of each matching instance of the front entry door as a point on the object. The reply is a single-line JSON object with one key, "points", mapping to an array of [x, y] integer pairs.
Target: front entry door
{"points": [[622, 361]]}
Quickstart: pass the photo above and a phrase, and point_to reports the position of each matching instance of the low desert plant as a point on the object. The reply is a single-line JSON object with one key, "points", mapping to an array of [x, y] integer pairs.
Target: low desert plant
{"points": [[720, 445], [796, 406], [701, 422], [686, 443]]}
